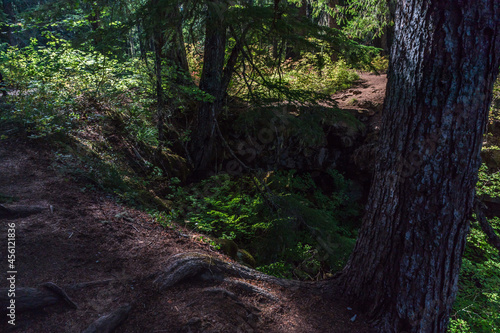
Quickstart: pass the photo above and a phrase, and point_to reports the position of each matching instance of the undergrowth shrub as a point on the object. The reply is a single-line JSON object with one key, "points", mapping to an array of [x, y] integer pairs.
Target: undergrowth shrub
{"points": [[489, 183], [477, 307], [312, 78], [284, 220], [319, 73], [54, 87], [378, 64]]}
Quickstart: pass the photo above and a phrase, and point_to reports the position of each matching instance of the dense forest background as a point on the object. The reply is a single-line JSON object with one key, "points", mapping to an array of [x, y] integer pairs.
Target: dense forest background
{"points": [[222, 116]]}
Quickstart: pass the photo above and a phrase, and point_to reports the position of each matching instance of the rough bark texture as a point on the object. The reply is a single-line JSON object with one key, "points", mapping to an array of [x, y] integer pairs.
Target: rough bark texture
{"points": [[211, 82], [444, 61], [332, 22]]}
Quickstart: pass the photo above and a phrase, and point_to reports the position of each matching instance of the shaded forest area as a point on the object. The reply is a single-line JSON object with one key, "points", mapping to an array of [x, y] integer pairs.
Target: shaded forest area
{"points": [[251, 132]]}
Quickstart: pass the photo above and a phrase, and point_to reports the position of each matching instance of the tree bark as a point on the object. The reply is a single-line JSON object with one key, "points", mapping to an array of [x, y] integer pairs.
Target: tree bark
{"points": [[332, 21], [444, 61], [9, 10], [159, 43], [176, 52], [212, 83], [27, 299]]}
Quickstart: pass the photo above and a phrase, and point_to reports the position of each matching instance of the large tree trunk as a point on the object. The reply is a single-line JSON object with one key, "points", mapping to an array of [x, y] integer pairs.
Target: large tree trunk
{"points": [[212, 83], [176, 52], [406, 262]]}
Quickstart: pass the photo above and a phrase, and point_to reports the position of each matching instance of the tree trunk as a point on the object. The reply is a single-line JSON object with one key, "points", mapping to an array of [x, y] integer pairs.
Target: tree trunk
{"points": [[406, 262], [332, 21], [160, 101], [95, 23], [293, 51], [176, 52], [9, 10], [212, 83]]}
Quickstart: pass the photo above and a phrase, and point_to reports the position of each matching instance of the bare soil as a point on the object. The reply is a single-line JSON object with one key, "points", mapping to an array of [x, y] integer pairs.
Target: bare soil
{"points": [[365, 98]]}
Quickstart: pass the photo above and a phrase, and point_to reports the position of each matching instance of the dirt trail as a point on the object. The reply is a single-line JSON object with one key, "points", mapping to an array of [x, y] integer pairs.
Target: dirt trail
{"points": [[84, 236], [365, 99], [367, 93]]}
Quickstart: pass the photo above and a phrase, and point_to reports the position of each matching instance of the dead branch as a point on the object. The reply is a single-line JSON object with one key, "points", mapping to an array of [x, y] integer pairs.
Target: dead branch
{"points": [[493, 238]]}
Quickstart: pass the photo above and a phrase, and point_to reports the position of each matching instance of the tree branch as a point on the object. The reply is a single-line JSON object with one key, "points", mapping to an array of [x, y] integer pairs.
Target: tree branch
{"points": [[493, 238]]}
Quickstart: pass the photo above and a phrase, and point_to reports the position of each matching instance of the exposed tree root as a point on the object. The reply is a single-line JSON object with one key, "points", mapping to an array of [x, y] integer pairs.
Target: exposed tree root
{"points": [[202, 266], [34, 298], [108, 323], [19, 211], [253, 289]]}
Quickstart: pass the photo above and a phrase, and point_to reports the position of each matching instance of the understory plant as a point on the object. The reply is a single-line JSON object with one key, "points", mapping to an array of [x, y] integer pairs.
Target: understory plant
{"points": [[477, 307], [283, 219], [55, 87]]}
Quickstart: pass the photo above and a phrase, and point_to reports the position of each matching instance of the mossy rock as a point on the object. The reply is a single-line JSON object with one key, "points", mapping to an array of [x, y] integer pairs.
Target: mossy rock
{"points": [[228, 247], [148, 198], [176, 165], [246, 258], [491, 157]]}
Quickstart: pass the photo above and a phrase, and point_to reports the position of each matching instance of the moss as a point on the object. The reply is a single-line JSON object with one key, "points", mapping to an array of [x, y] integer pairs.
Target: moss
{"points": [[246, 258], [228, 247]]}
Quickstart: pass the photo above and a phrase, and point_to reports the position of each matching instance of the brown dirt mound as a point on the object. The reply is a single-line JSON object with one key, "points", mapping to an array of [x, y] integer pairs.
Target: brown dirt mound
{"points": [[85, 236]]}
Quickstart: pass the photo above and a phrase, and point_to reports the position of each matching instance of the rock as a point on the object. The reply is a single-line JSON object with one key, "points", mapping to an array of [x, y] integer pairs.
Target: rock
{"points": [[228, 247], [246, 258], [491, 156]]}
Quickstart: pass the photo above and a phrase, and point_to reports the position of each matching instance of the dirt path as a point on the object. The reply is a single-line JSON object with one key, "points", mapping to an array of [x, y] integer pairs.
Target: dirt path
{"points": [[365, 98], [82, 236], [367, 93]]}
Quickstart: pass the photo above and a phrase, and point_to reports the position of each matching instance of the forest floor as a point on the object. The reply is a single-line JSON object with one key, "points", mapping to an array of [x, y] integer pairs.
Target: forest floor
{"points": [[366, 97], [75, 235]]}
